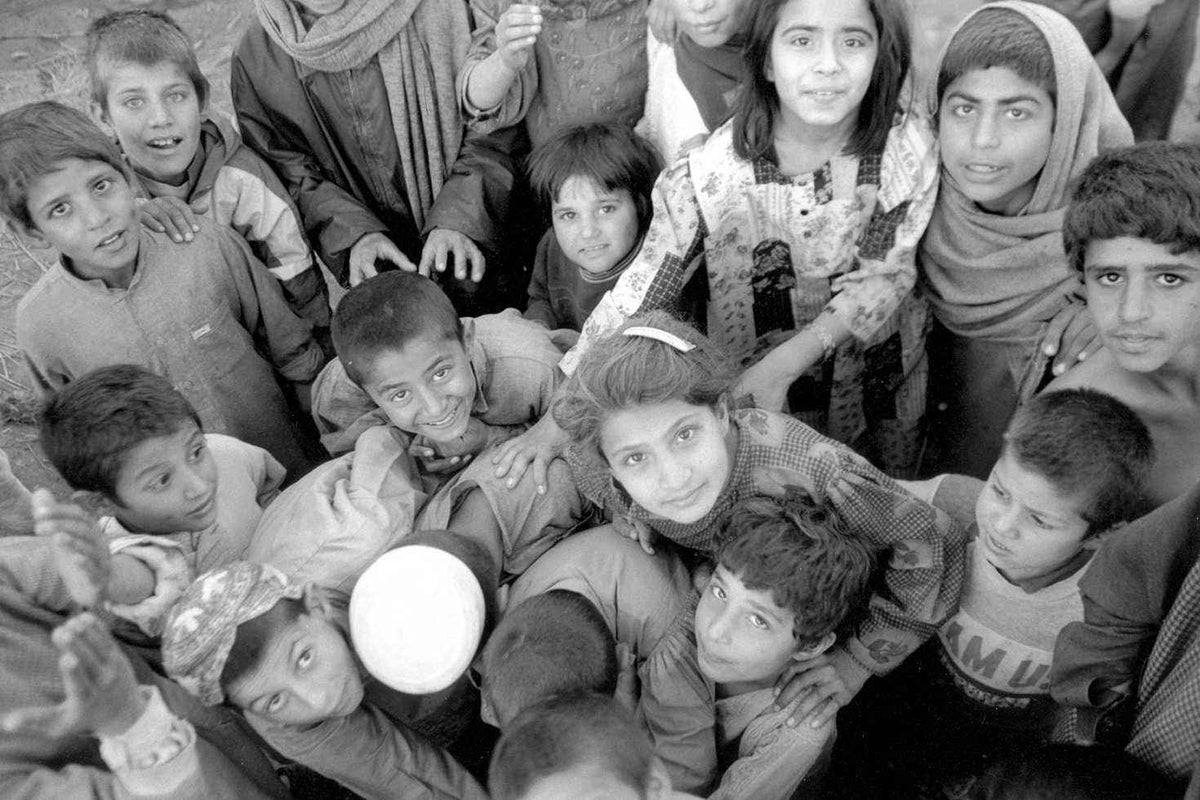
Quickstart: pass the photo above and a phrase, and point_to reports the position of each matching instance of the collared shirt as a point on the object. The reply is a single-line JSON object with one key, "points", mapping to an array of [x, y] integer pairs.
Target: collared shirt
{"points": [[198, 314]]}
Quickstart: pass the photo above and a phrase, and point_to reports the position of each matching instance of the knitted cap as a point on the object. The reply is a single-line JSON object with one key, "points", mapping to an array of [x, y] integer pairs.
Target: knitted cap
{"points": [[203, 625]]}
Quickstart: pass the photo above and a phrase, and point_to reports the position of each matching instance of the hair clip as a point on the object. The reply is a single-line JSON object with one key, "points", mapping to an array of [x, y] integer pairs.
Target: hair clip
{"points": [[658, 334]]}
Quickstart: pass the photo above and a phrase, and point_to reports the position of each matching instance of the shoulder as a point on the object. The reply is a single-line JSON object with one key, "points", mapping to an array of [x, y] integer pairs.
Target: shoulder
{"points": [[909, 162], [233, 453], [508, 336], [45, 291], [671, 674]]}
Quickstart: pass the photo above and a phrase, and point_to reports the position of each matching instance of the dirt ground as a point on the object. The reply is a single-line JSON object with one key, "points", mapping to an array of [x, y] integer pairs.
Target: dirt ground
{"points": [[40, 42]]}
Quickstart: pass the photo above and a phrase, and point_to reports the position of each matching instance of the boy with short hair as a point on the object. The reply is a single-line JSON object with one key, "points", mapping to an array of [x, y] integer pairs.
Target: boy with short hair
{"points": [[1072, 468], [281, 653], [577, 745], [148, 90], [199, 313], [551, 643], [133, 450], [788, 576], [1132, 231], [416, 394]]}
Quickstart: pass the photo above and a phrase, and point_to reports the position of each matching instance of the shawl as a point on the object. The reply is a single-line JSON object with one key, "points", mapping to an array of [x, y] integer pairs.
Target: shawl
{"points": [[419, 62], [1001, 278], [712, 76]]}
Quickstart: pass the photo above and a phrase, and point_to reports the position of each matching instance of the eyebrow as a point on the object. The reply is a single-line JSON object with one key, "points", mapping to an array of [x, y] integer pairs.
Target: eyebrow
{"points": [[1003, 101], [148, 471], [819, 29]]}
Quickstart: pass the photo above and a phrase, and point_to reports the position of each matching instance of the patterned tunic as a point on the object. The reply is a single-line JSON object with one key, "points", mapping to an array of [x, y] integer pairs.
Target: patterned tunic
{"points": [[923, 547], [776, 251]]}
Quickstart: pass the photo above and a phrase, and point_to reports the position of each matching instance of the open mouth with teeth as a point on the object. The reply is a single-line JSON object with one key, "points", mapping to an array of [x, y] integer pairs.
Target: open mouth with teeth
{"points": [[164, 142], [445, 421], [112, 240]]}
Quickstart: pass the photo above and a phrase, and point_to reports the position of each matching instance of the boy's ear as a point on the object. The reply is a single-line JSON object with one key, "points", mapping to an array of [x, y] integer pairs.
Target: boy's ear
{"points": [[100, 117], [814, 650], [317, 601], [19, 230], [658, 784], [98, 503]]}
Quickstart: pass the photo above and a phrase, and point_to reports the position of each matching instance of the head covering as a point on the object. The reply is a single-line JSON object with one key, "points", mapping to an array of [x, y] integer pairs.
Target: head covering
{"points": [[202, 626], [712, 76], [421, 45], [416, 618], [1002, 278]]}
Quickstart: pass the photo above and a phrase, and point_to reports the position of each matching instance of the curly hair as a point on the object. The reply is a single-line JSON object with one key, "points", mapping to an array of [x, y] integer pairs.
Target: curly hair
{"points": [[803, 555], [621, 372]]}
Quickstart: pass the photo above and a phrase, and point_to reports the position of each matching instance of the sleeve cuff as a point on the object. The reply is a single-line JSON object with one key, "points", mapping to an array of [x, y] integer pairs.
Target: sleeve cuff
{"points": [[157, 754]]}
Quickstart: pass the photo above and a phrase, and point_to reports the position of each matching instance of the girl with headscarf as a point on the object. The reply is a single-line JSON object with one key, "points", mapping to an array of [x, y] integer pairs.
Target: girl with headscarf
{"points": [[1023, 108]]}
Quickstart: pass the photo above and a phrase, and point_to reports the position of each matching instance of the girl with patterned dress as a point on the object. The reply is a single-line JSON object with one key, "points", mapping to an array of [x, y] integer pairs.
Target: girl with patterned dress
{"points": [[798, 222]]}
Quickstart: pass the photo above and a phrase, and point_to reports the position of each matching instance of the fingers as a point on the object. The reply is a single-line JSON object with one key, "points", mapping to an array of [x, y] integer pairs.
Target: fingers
{"points": [[541, 470], [44, 721], [645, 536], [388, 251], [476, 260], [818, 717], [1079, 341], [170, 216]]}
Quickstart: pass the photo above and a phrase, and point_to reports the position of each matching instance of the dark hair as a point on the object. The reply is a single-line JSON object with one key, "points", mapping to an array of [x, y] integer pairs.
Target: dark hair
{"points": [[999, 37], [1071, 772], [1148, 191], [756, 108], [551, 643], [620, 372], [385, 313], [88, 426], [566, 731], [143, 37], [253, 636], [1086, 443], [803, 555], [612, 156], [35, 140]]}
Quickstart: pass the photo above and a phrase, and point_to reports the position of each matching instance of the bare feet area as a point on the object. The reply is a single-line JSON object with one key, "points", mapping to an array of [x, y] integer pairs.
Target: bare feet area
{"points": [[41, 45]]}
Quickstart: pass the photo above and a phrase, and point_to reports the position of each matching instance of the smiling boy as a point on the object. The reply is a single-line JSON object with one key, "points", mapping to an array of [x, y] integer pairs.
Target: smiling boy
{"points": [[206, 315], [1133, 232], [148, 91]]}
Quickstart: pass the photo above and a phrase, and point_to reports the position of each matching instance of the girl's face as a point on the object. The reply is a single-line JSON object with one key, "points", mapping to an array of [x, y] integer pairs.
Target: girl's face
{"points": [[710, 23], [995, 129], [595, 227], [821, 61], [673, 458]]}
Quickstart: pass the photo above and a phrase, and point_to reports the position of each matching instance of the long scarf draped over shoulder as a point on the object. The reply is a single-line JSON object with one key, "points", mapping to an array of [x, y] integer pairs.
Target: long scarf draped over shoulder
{"points": [[1001, 278], [712, 76], [421, 45]]}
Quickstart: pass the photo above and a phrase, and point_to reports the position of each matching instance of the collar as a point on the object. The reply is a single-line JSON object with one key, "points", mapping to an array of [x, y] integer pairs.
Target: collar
{"points": [[480, 367]]}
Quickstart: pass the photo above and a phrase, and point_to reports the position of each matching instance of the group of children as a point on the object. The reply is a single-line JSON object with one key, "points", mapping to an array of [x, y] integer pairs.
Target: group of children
{"points": [[676, 501]]}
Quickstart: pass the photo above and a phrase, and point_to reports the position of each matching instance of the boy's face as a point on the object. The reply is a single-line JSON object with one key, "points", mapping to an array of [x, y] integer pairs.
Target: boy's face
{"points": [[307, 674], [673, 458], [1027, 528], [156, 114], [995, 129], [427, 387], [596, 228], [1145, 301], [742, 636], [86, 210], [821, 61], [167, 484], [709, 23]]}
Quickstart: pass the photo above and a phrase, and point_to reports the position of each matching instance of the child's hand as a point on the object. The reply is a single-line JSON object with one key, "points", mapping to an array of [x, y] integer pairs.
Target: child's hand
{"points": [[828, 682], [635, 529], [1071, 336], [374, 247], [661, 18], [451, 455], [536, 447], [442, 243], [765, 386], [169, 215], [81, 554], [516, 31], [102, 696]]}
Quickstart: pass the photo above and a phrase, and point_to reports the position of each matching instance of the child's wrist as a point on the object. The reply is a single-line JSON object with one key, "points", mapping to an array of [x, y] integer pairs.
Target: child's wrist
{"points": [[130, 721]]}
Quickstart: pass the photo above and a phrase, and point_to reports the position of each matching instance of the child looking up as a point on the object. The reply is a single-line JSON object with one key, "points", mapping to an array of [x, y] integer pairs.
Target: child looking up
{"points": [[595, 179], [657, 443], [280, 652], [1072, 469], [199, 314], [1132, 233], [577, 745], [148, 90], [1022, 110], [787, 576], [554, 63], [806, 208]]}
